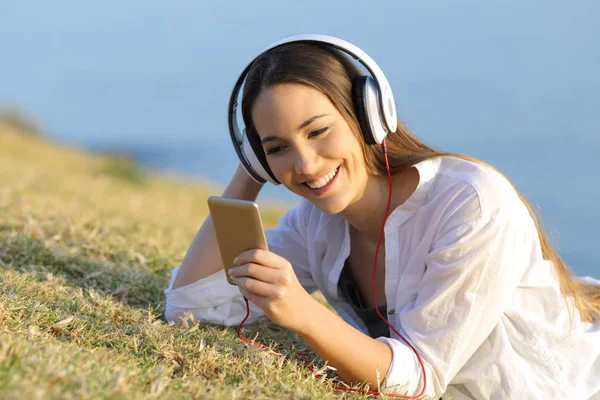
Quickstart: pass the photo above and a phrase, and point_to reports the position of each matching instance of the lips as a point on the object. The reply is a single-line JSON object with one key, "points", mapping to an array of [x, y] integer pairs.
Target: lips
{"points": [[322, 181], [327, 181]]}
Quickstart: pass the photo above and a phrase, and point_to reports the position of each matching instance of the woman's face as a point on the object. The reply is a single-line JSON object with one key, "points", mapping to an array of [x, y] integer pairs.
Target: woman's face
{"points": [[310, 146]]}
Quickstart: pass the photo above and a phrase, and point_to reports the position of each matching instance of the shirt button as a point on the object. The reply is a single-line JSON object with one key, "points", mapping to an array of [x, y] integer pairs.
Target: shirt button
{"points": [[391, 312]]}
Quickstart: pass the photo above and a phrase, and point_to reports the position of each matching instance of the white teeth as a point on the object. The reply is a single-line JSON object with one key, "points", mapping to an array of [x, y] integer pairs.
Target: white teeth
{"points": [[323, 181]]}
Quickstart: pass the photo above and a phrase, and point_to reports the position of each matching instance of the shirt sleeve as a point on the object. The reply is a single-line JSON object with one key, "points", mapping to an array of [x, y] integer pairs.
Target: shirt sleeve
{"points": [[472, 271], [212, 299]]}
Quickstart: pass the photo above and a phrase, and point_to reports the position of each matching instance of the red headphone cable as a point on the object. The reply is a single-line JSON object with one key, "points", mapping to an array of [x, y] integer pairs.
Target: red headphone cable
{"points": [[305, 354]]}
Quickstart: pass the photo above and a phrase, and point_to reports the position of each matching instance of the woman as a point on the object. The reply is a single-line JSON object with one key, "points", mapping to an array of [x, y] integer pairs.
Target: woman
{"points": [[464, 271]]}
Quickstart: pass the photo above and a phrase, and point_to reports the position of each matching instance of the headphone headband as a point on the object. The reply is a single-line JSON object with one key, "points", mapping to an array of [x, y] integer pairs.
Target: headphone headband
{"points": [[386, 99]]}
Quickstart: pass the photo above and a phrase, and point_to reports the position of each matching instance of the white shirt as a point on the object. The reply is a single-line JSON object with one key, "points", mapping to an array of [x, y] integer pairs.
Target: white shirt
{"points": [[465, 283]]}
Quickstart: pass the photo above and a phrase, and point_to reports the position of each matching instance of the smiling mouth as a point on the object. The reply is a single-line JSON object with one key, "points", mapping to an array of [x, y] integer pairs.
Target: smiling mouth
{"points": [[323, 182]]}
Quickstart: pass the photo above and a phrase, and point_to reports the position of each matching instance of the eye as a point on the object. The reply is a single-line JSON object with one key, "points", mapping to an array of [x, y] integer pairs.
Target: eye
{"points": [[274, 150], [318, 132]]}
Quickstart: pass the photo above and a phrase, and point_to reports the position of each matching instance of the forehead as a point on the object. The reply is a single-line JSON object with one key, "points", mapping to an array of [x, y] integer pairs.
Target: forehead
{"points": [[280, 109]]}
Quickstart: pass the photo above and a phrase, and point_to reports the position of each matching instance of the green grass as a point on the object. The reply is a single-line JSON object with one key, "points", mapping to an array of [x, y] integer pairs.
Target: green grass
{"points": [[124, 167], [86, 246]]}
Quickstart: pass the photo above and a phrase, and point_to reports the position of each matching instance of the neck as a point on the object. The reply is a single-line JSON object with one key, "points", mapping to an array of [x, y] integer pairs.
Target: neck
{"points": [[367, 213]]}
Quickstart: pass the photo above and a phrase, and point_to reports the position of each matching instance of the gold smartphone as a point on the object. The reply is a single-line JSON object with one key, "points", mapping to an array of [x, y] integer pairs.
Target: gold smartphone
{"points": [[238, 227]]}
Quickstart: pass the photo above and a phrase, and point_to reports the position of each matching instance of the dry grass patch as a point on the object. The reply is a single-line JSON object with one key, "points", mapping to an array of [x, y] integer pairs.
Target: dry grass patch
{"points": [[86, 246]]}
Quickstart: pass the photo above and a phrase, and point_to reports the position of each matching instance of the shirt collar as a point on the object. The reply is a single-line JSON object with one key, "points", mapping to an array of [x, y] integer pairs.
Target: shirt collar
{"points": [[427, 172]]}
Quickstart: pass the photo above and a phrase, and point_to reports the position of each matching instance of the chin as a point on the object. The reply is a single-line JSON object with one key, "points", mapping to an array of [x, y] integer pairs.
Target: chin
{"points": [[333, 205], [330, 206]]}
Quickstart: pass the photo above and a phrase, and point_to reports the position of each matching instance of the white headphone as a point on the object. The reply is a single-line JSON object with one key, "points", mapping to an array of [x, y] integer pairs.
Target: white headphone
{"points": [[372, 97]]}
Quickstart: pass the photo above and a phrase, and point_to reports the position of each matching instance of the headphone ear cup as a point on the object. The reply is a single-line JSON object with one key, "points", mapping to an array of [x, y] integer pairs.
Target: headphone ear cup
{"points": [[257, 160], [358, 95], [364, 96]]}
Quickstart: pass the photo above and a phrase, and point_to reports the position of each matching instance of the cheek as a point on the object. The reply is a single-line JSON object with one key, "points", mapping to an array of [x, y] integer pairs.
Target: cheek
{"points": [[280, 168], [354, 152]]}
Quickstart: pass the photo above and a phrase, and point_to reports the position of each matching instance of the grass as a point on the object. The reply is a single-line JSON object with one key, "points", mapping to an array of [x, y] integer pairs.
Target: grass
{"points": [[86, 246], [125, 168]]}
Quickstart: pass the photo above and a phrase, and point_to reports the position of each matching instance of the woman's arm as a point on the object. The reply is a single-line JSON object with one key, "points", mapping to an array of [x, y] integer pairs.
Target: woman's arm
{"points": [[357, 357], [269, 281], [203, 258], [203, 288]]}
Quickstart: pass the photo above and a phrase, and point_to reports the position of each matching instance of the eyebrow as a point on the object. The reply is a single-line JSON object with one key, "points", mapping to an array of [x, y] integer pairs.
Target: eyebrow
{"points": [[301, 126]]}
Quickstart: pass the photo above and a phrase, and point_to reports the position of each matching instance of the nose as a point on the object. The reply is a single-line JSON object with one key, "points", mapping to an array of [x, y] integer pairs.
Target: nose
{"points": [[306, 162]]}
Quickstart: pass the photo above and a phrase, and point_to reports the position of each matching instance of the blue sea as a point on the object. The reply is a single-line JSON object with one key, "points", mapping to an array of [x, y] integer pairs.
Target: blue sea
{"points": [[513, 83]]}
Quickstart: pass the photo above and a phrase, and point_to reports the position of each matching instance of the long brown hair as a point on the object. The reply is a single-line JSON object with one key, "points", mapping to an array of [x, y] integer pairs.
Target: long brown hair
{"points": [[332, 72]]}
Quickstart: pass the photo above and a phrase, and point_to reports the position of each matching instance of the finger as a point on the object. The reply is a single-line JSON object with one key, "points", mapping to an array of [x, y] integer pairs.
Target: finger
{"points": [[254, 298], [263, 257], [256, 271], [260, 288]]}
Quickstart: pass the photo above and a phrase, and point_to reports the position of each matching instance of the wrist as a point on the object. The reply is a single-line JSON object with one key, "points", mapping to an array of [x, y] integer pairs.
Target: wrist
{"points": [[242, 186], [311, 310]]}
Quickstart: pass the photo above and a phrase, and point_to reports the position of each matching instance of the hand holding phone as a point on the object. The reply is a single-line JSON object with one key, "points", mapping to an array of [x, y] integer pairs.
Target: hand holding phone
{"points": [[275, 286], [238, 228]]}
